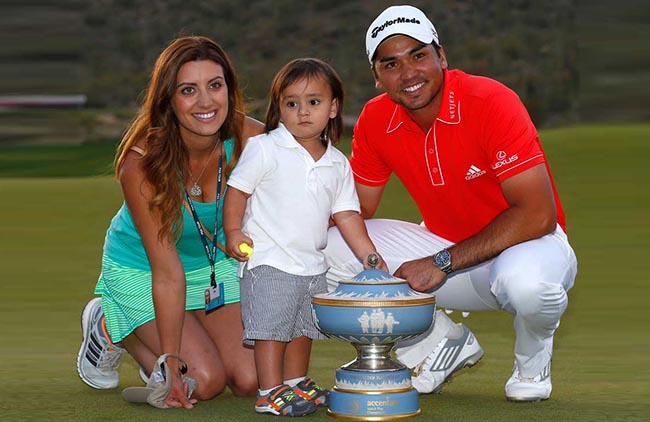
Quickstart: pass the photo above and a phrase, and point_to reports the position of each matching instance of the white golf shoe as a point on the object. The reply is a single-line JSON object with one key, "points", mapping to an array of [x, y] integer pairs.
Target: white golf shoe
{"points": [[449, 356], [98, 357], [533, 389]]}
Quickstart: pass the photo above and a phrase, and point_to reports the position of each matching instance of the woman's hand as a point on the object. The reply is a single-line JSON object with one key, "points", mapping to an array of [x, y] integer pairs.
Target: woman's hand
{"points": [[177, 397]]}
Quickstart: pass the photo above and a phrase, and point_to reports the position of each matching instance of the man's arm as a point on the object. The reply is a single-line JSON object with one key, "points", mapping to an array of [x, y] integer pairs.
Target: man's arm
{"points": [[369, 197], [531, 214]]}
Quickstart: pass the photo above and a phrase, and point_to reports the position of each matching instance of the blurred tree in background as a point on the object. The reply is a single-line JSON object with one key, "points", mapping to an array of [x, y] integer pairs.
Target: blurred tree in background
{"points": [[569, 60], [528, 45]]}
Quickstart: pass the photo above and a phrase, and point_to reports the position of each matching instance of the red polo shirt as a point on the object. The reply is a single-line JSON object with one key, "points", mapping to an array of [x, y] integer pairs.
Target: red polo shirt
{"points": [[482, 136]]}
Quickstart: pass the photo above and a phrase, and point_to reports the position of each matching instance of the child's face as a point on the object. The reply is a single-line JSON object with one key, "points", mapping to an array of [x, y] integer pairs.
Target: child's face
{"points": [[306, 107]]}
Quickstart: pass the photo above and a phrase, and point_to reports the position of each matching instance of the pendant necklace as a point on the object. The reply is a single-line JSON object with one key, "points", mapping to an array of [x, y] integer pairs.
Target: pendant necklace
{"points": [[196, 190]]}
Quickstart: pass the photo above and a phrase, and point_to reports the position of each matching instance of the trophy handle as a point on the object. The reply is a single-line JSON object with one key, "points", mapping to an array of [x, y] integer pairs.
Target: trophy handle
{"points": [[373, 260]]}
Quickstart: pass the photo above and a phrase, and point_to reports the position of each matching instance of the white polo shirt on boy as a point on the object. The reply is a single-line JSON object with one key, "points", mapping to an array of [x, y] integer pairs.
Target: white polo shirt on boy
{"points": [[292, 199]]}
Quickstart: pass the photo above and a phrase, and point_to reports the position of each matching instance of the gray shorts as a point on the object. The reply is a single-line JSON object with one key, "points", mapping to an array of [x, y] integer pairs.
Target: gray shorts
{"points": [[277, 306]]}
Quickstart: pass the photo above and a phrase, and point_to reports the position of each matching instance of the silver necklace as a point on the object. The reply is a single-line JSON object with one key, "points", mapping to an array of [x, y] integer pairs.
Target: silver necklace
{"points": [[196, 190]]}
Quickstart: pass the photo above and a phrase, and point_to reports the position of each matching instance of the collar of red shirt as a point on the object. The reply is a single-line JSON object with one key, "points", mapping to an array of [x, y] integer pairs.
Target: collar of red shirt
{"points": [[449, 106]]}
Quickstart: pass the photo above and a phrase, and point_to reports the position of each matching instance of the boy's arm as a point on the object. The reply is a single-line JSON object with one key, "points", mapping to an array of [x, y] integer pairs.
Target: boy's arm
{"points": [[353, 230], [233, 211]]}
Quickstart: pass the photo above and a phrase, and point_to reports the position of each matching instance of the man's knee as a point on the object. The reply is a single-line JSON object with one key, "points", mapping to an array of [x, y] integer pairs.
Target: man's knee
{"points": [[530, 297]]}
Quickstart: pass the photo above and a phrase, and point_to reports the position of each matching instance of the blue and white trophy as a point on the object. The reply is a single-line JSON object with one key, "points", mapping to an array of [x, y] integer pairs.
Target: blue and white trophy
{"points": [[373, 311]]}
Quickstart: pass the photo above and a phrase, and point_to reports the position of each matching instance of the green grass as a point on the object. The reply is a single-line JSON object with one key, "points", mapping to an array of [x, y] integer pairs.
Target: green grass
{"points": [[57, 160], [52, 233]]}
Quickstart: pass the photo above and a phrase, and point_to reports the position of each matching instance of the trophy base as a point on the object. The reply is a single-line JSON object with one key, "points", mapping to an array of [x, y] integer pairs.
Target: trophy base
{"points": [[373, 405], [373, 395]]}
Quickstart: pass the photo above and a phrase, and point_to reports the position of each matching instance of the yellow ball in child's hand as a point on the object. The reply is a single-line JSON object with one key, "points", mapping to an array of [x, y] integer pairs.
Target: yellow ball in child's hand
{"points": [[246, 249]]}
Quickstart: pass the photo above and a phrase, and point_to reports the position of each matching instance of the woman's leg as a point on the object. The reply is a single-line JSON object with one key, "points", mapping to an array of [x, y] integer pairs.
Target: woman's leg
{"points": [[225, 329], [197, 350], [142, 354]]}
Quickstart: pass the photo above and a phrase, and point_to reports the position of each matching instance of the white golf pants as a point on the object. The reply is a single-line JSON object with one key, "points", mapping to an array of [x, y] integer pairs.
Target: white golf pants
{"points": [[530, 280]]}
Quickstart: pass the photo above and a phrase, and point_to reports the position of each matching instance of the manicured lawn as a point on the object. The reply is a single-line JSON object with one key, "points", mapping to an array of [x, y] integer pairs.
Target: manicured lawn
{"points": [[52, 229]]}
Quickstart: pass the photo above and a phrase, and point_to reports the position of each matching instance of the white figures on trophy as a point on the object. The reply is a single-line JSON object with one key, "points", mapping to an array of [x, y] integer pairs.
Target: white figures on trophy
{"points": [[390, 321], [365, 322], [377, 321]]}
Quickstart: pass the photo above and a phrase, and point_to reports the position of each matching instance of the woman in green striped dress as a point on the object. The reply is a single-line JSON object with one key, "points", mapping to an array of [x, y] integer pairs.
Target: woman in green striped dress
{"points": [[166, 286]]}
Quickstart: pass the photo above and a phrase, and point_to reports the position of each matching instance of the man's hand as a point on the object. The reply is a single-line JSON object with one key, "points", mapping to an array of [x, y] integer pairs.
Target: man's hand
{"points": [[421, 274]]}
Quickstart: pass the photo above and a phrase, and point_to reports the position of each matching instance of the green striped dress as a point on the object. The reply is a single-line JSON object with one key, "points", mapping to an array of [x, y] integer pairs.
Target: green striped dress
{"points": [[125, 279]]}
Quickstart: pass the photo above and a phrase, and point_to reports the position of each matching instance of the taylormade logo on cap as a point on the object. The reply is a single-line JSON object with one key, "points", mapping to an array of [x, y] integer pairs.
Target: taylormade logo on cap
{"points": [[399, 20], [378, 29]]}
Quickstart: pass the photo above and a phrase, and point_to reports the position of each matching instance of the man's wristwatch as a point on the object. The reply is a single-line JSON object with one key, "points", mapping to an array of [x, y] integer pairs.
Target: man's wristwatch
{"points": [[442, 260]]}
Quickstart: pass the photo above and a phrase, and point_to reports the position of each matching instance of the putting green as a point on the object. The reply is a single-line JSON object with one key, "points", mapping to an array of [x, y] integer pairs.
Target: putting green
{"points": [[52, 231]]}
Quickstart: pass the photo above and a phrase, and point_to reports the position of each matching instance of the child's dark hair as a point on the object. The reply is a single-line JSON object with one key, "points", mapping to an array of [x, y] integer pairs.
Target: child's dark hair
{"points": [[307, 68]]}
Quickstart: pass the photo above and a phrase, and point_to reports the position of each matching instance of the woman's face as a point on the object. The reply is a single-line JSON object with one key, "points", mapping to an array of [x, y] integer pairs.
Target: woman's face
{"points": [[200, 100]]}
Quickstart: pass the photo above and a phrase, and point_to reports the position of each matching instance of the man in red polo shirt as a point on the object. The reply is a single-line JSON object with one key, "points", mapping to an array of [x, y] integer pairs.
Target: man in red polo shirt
{"points": [[493, 235]]}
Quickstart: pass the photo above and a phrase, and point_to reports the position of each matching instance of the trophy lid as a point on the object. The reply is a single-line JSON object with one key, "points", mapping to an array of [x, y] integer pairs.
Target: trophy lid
{"points": [[373, 287], [374, 276]]}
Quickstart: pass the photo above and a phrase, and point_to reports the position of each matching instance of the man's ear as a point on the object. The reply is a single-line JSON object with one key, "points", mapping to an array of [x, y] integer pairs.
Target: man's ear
{"points": [[443, 58], [378, 84]]}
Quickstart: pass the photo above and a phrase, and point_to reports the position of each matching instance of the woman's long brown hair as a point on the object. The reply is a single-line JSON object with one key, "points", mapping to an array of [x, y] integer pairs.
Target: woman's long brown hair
{"points": [[165, 162]]}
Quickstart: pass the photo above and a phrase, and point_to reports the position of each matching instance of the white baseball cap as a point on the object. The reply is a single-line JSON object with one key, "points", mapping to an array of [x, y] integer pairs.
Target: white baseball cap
{"points": [[400, 20]]}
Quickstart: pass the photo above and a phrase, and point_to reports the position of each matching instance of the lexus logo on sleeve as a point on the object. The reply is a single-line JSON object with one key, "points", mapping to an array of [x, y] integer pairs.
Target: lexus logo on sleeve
{"points": [[503, 159]]}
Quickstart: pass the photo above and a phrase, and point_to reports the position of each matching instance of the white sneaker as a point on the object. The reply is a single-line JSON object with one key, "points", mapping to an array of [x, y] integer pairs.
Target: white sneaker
{"points": [[523, 389], [98, 357], [449, 356]]}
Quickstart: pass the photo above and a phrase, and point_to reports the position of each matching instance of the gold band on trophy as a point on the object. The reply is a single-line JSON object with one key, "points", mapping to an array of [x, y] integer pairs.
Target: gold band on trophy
{"points": [[373, 303]]}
